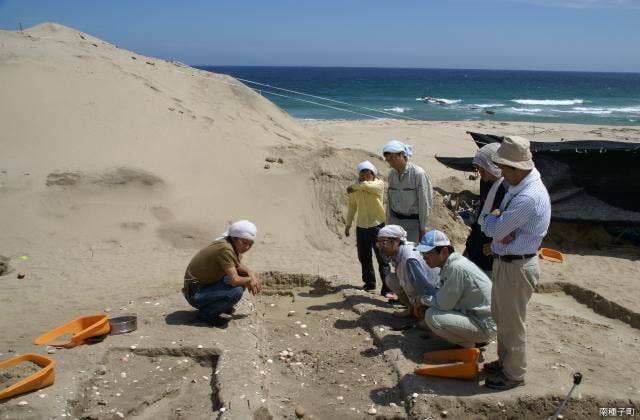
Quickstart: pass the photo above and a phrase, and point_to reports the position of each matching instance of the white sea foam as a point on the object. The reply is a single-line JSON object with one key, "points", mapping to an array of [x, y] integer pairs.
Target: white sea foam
{"points": [[548, 101], [525, 110], [397, 109], [584, 110], [441, 101], [486, 105]]}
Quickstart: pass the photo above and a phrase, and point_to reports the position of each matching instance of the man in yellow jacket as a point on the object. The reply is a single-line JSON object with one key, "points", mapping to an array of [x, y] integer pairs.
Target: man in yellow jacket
{"points": [[365, 199]]}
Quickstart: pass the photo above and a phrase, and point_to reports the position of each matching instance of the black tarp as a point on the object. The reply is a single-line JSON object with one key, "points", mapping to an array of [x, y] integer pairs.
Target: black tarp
{"points": [[587, 180]]}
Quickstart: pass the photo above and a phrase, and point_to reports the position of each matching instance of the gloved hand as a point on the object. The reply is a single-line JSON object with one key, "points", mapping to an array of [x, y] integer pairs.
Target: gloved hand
{"points": [[346, 230]]}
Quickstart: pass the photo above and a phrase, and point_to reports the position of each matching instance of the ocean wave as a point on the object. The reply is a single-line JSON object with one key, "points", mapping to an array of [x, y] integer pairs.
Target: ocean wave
{"points": [[525, 110], [548, 101], [439, 101], [399, 110], [627, 109], [601, 110], [485, 105], [583, 110]]}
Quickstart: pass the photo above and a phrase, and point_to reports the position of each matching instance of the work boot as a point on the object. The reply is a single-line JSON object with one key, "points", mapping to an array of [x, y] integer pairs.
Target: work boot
{"points": [[403, 313], [501, 382]]}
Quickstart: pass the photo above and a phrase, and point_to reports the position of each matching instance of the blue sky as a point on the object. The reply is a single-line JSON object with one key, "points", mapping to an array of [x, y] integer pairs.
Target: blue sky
{"points": [[584, 35]]}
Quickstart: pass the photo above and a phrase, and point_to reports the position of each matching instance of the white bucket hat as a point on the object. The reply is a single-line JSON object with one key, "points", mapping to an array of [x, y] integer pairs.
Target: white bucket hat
{"points": [[514, 151]]}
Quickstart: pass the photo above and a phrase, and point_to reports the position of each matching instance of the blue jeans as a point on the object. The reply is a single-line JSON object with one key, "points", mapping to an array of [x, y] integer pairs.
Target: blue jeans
{"points": [[214, 299], [366, 243]]}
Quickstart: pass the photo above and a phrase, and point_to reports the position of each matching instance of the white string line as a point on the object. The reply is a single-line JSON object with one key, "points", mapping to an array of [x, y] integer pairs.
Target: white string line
{"points": [[327, 99], [316, 103], [302, 100]]}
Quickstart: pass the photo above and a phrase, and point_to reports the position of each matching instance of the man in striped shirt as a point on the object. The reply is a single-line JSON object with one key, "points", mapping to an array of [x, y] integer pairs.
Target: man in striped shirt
{"points": [[517, 229]]}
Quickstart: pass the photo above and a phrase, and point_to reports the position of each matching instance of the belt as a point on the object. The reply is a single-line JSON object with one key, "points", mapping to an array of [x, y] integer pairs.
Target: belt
{"points": [[509, 258], [405, 216]]}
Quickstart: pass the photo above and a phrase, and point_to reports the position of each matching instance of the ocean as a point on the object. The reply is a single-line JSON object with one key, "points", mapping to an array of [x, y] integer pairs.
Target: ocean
{"points": [[447, 94]]}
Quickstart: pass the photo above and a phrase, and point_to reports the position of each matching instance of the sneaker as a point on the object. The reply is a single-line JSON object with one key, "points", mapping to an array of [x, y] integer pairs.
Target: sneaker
{"points": [[492, 368], [403, 313], [501, 383], [218, 321]]}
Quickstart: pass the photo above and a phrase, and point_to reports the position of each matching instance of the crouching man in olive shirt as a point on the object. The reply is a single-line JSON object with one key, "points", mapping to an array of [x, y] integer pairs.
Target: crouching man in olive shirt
{"points": [[216, 278]]}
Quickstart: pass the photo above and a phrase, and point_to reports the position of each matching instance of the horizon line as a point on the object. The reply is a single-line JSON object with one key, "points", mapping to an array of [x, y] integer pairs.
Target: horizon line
{"points": [[411, 68]]}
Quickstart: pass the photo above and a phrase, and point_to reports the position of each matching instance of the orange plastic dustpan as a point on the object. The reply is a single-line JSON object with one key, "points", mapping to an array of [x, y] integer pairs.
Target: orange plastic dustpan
{"points": [[464, 363], [81, 328], [551, 255], [40, 379]]}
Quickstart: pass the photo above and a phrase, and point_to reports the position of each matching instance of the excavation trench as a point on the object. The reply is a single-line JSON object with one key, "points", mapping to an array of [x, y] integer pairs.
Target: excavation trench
{"points": [[150, 382], [318, 355]]}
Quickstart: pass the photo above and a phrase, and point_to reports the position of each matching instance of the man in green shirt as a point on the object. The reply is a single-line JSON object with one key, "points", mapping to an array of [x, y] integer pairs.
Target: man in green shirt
{"points": [[460, 311], [216, 278]]}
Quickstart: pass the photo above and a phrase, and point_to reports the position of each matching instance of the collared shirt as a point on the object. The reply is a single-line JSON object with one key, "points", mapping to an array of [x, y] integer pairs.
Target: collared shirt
{"points": [[366, 199], [465, 288], [410, 193], [414, 275], [525, 212]]}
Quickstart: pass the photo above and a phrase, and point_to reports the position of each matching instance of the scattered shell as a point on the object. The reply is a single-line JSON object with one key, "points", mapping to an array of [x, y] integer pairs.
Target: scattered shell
{"points": [[133, 347], [444, 413], [415, 395], [42, 395], [123, 374], [51, 351], [372, 411], [303, 326], [200, 346], [23, 403], [291, 313], [223, 409], [269, 360], [340, 398]]}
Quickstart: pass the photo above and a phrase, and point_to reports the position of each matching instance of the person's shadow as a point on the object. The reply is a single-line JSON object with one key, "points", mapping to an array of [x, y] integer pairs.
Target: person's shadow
{"points": [[191, 318]]}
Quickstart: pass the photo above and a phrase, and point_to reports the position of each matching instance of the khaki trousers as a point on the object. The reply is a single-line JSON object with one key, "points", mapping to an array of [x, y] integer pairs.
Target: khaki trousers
{"points": [[513, 284], [456, 327]]}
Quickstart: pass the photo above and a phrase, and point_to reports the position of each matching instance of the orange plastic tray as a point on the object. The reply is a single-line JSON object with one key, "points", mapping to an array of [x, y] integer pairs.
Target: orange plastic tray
{"points": [[81, 328], [464, 365], [551, 255], [42, 378]]}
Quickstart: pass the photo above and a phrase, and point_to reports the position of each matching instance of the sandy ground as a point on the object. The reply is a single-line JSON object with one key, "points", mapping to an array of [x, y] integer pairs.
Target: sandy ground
{"points": [[116, 168]]}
